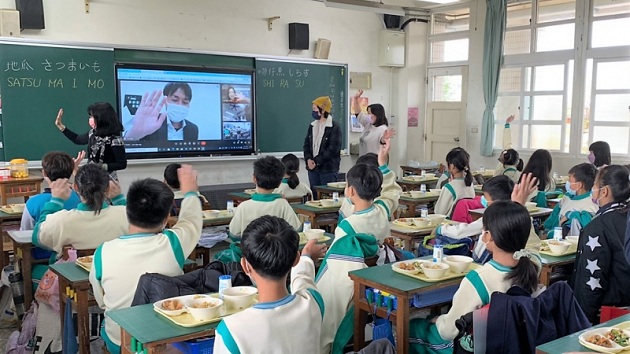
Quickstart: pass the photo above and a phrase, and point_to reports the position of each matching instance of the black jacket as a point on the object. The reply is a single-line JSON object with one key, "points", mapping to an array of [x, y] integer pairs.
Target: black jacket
{"points": [[517, 323], [606, 281], [329, 156], [191, 132], [114, 156]]}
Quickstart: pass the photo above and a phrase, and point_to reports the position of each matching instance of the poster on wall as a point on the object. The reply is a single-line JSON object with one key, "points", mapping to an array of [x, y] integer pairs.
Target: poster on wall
{"points": [[355, 125], [412, 117]]}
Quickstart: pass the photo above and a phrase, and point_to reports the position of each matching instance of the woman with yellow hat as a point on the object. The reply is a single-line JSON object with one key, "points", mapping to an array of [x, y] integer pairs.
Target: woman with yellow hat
{"points": [[322, 146]]}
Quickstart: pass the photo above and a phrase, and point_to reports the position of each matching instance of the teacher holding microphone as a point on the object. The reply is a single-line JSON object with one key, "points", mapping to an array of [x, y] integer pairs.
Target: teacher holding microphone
{"points": [[322, 145]]}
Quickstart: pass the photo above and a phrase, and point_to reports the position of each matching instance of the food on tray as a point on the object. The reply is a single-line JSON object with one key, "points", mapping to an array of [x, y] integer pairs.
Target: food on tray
{"points": [[86, 259], [599, 340], [552, 242], [619, 337], [172, 305], [203, 305], [410, 266], [199, 296], [544, 246], [433, 265]]}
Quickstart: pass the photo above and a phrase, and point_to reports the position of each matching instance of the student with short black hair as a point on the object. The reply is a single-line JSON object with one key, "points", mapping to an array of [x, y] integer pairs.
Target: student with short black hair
{"points": [[599, 154], [291, 187], [146, 247], [357, 237], [93, 222], [268, 174], [506, 228], [601, 273], [576, 203], [270, 252], [55, 165], [460, 185]]}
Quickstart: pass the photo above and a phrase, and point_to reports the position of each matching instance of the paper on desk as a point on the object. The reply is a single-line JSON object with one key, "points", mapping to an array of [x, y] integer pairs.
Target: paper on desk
{"points": [[210, 236]]}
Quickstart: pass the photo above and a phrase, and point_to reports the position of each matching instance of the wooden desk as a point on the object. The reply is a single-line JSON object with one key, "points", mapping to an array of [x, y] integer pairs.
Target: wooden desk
{"points": [[239, 197], [327, 191], [409, 236], [19, 188], [317, 215], [551, 263], [478, 190], [153, 330], [409, 185], [553, 201], [72, 277], [6, 246], [408, 170], [412, 203], [571, 343], [403, 287], [541, 213], [22, 244]]}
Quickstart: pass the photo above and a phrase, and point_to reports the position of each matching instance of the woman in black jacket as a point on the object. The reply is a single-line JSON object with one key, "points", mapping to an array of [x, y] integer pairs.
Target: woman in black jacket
{"points": [[105, 144], [322, 145], [601, 273]]}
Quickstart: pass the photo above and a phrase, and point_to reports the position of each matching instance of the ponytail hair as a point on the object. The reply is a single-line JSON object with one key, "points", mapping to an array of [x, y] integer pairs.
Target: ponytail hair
{"points": [[509, 225], [511, 158], [92, 183], [291, 167], [459, 158], [519, 167]]}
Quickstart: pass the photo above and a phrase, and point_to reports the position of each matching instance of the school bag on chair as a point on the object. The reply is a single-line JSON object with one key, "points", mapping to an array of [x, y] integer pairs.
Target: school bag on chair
{"points": [[451, 246]]}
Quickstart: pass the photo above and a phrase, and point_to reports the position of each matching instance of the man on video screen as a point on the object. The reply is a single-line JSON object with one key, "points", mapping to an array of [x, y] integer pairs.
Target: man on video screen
{"points": [[149, 124]]}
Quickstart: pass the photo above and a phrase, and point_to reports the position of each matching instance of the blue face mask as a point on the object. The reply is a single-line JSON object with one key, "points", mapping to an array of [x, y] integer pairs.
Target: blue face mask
{"points": [[315, 115], [484, 201], [568, 188]]}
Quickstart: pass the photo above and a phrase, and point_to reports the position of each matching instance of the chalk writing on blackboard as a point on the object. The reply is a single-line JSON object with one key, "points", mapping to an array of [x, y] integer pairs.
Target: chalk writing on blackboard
{"points": [[279, 71], [283, 83], [71, 65]]}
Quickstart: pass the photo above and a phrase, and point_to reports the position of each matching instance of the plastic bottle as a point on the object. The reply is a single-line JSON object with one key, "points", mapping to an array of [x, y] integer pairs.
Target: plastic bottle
{"points": [[557, 233], [307, 226], [335, 197], [225, 282], [17, 291], [424, 212], [438, 251]]}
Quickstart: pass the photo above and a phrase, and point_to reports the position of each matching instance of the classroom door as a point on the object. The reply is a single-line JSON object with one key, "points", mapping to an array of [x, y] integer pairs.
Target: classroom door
{"points": [[446, 111]]}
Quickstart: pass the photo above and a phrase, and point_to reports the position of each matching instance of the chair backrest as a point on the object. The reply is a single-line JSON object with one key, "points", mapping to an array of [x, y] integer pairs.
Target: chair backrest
{"points": [[607, 313], [460, 213]]}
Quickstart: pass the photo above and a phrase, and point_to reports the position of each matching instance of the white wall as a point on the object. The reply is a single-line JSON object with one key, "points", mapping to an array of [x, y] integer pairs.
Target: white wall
{"points": [[237, 26]]}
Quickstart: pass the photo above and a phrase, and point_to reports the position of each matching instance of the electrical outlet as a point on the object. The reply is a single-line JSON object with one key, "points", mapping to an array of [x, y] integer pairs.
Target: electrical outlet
{"points": [[475, 129]]}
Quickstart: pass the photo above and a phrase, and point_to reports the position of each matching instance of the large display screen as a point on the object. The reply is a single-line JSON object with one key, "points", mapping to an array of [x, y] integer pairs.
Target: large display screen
{"points": [[177, 112]]}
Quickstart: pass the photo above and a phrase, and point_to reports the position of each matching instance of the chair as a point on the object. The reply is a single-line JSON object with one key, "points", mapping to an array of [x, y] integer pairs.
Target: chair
{"points": [[607, 313]]}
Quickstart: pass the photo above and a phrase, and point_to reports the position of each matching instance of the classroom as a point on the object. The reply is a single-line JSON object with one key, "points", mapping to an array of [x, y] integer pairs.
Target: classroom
{"points": [[562, 86]]}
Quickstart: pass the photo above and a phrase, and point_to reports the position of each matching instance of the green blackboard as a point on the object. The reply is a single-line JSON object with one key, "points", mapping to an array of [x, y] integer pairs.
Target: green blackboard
{"points": [[284, 94], [37, 80]]}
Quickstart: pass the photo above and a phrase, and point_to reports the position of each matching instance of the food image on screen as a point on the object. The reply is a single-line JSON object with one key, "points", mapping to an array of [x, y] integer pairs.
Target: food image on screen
{"points": [[176, 111]]}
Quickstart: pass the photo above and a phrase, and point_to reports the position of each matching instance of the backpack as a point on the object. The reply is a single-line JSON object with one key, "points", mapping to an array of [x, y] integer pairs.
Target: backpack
{"points": [[23, 342]]}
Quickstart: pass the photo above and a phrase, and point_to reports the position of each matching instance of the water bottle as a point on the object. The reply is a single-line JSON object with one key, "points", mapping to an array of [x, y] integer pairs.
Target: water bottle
{"points": [[424, 212], [423, 188], [482, 169], [335, 197], [307, 226], [17, 290], [230, 206], [225, 282], [555, 175], [557, 233], [438, 251]]}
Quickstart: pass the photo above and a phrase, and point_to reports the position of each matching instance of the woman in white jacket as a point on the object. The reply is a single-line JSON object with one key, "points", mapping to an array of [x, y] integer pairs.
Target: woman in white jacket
{"points": [[375, 126]]}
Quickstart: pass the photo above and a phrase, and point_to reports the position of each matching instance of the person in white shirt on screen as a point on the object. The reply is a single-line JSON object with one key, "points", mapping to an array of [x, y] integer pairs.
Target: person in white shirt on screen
{"points": [[150, 124]]}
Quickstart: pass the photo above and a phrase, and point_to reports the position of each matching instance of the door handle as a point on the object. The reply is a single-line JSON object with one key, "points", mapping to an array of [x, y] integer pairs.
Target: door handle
{"points": [[456, 139]]}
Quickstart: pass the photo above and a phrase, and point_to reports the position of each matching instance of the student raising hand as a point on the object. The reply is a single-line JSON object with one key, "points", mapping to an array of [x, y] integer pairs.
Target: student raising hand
{"points": [[383, 152], [187, 179], [60, 188]]}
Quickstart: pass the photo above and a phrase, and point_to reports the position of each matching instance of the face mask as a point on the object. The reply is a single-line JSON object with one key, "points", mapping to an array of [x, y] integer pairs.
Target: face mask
{"points": [[593, 199], [484, 201], [591, 158], [482, 241], [176, 112], [92, 123], [315, 115], [570, 191]]}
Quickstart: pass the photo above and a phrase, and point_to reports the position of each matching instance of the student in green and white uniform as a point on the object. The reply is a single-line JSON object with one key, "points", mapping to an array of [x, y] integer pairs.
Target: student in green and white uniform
{"points": [[511, 164], [146, 247], [506, 227], [268, 173], [460, 186], [576, 203], [291, 186]]}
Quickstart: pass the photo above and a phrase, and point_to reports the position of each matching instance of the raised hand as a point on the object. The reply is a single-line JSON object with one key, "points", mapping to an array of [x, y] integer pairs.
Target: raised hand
{"points": [[358, 94], [58, 122], [187, 179], [510, 119], [389, 133], [77, 161], [60, 188], [147, 118], [383, 151]]}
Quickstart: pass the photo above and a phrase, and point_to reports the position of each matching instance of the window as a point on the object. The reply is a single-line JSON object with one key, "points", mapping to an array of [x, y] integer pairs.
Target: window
{"points": [[551, 53], [448, 41]]}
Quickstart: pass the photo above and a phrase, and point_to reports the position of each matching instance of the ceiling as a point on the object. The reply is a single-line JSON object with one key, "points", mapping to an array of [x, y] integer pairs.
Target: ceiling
{"points": [[409, 6]]}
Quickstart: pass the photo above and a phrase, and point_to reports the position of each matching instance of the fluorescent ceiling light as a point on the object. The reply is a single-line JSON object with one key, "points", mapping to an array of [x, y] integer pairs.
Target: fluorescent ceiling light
{"points": [[368, 6]]}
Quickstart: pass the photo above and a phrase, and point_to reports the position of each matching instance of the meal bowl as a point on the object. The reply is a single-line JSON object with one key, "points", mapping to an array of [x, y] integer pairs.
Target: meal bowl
{"points": [[530, 206], [239, 297], [171, 307], [558, 247], [458, 264], [209, 214], [18, 208], [327, 202], [421, 222], [314, 234], [429, 175], [434, 270], [436, 190], [416, 194], [437, 219], [204, 309]]}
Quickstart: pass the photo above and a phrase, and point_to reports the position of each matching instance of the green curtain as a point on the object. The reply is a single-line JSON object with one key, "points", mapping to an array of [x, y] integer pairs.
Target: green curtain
{"points": [[492, 59]]}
